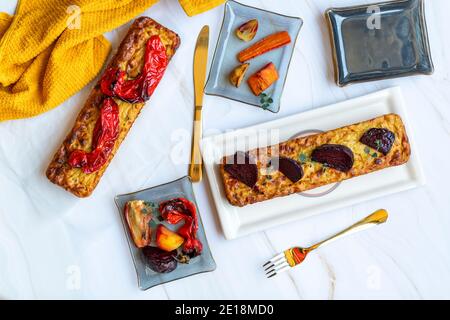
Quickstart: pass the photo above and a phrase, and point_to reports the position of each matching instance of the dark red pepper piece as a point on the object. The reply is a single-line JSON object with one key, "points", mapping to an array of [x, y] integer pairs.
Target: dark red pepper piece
{"points": [[114, 83], [105, 134], [176, 210]]}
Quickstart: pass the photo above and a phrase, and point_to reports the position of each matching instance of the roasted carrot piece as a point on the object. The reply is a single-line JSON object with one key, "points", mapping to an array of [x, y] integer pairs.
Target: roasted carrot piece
{"points": [[270, 42], [263, 79]]}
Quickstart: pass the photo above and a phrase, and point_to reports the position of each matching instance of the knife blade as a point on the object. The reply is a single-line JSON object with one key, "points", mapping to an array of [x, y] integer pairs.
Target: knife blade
{"points": [[200, 63]]}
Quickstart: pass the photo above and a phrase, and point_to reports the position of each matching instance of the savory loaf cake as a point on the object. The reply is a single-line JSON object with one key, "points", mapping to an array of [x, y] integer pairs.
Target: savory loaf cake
{"points": [[113, 106], [309, 162]]}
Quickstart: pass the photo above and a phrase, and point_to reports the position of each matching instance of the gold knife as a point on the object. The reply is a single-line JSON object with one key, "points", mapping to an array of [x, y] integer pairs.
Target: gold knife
{"points": [[200, 62]]}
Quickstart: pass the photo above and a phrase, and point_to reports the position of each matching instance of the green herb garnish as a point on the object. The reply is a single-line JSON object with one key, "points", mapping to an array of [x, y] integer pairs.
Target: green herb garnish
{"points": [[379, 144], [150, 204], [303, 158], [265, 100]]}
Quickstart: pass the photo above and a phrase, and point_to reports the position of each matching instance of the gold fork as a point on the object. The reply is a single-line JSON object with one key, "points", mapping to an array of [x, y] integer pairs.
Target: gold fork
{"points": [[294, 256]]}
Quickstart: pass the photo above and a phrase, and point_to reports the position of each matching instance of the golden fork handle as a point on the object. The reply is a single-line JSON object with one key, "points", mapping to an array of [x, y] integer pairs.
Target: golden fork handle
{"points": [[195, 167], [378, 217]]}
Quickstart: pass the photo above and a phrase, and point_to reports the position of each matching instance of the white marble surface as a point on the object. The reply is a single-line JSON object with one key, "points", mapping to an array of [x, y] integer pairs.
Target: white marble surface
{"points": [[53, 245]]}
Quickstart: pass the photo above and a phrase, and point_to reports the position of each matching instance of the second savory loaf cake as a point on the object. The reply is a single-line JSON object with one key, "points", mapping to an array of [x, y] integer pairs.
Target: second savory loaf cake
{"points": [[309, 162], [129, 59]]}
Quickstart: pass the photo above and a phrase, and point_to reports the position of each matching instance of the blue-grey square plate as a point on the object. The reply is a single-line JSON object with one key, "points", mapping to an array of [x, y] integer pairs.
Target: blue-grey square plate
{"points": [[147, 278], [229, 45], [380, 41]]}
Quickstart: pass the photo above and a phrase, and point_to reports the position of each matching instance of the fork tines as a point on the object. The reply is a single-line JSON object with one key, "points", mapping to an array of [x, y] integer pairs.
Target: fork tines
{"points": [[276, 265]]}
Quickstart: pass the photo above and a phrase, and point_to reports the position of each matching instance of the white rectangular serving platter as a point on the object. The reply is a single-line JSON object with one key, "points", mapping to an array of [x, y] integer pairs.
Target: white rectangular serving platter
{"points": [[237, 222]]}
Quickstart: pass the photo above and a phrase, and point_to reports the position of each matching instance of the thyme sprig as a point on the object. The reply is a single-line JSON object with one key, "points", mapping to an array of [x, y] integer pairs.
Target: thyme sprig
{"points": [[265, 100]]}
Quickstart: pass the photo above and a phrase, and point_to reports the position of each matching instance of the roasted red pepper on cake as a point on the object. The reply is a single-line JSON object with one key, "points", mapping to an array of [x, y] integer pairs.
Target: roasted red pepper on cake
{"points": [[113, 106], [114, 82]]}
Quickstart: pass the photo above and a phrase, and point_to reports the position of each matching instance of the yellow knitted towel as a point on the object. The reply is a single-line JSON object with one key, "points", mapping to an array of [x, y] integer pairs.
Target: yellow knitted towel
{"points": [[50, 49], [193, 7]]}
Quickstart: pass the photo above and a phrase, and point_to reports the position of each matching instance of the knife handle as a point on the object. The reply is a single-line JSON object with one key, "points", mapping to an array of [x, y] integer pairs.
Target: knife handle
{"points": [[195, 167]]}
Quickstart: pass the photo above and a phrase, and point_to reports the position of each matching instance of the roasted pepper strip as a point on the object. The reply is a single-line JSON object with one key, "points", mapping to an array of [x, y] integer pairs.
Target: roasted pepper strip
{"points": [[115, 84], [105, 134], [175, 210], [270, 42]]}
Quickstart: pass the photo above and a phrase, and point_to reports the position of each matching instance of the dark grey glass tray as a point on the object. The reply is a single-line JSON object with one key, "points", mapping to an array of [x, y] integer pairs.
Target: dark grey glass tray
{"points": [[379, 41], [147, 278]]}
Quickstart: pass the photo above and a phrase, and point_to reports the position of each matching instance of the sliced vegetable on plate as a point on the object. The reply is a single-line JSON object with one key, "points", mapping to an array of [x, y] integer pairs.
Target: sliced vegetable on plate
{"points": [[159, 260], [167, 240], [182, 242], [263, 79], [138, 214], [271, 42], [238, 74], [248, 30]]}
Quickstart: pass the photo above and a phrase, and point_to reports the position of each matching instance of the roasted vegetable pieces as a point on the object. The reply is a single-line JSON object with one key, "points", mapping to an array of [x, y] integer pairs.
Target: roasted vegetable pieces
{"points": [[176, 225], [265, 77], [176, 210], [159, 260]]}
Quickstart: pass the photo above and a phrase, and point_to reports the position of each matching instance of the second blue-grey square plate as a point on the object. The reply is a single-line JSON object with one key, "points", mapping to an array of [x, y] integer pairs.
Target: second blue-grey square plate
{"points": [[228, 46], [175, 189], [380, 41]]}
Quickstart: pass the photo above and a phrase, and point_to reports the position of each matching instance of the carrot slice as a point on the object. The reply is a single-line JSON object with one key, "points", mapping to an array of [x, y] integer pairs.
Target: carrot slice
{"points": [[270, 42], [263, 79]]}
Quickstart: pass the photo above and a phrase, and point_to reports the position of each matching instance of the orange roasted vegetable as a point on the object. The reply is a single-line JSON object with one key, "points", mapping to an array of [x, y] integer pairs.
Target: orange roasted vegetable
{"points": [[263, 79], [271, 42], [167, 240]]}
